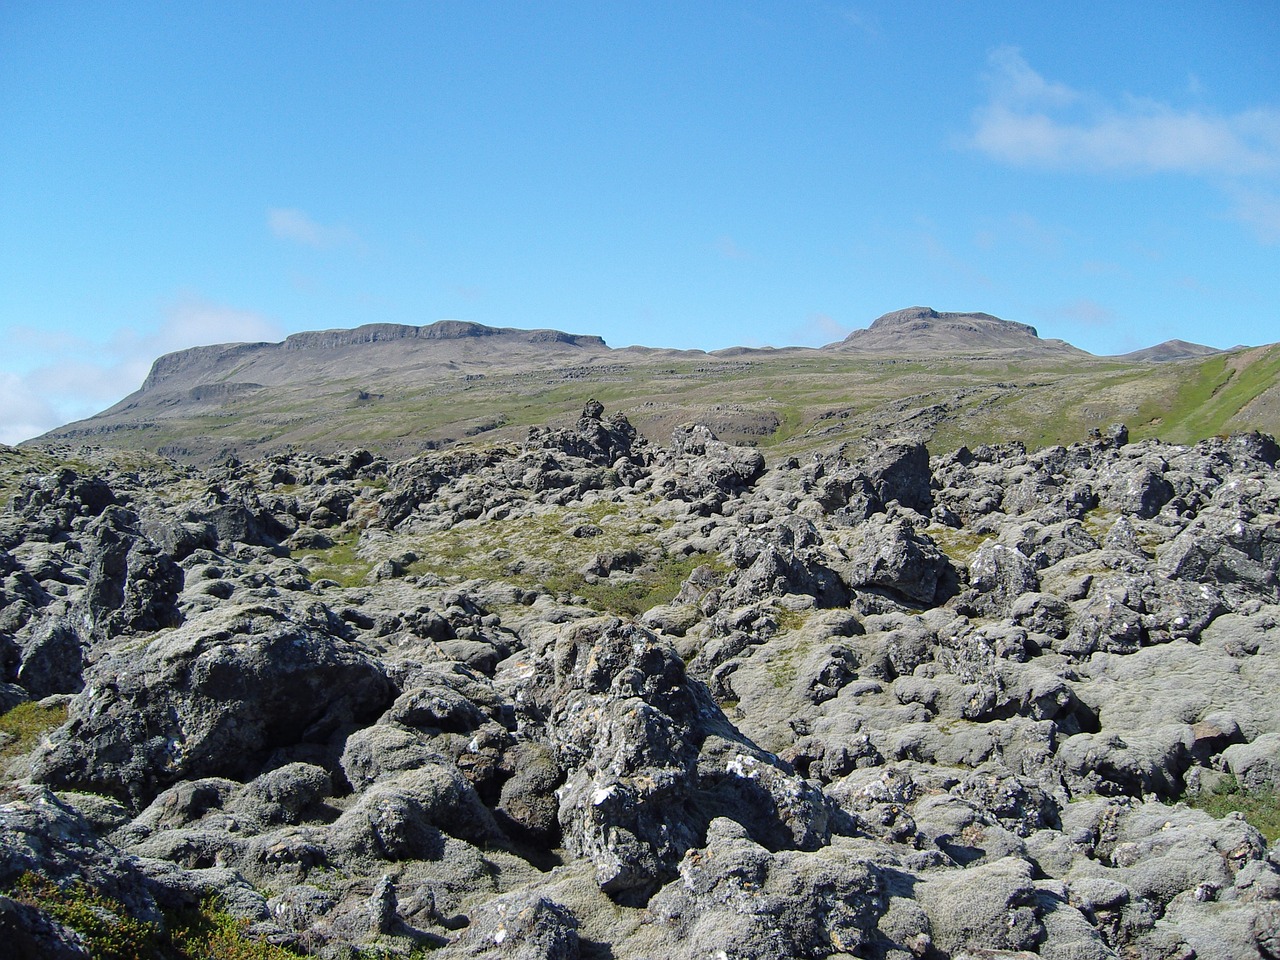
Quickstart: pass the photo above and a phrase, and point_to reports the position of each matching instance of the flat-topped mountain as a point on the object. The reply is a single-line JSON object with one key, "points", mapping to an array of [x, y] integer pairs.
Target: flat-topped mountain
{"points": [[947, 376], [923, 330], [340, 353]]}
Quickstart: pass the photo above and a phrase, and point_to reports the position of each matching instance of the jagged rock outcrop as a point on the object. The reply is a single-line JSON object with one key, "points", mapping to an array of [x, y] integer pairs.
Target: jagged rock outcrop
{"points": [[585, 695]]}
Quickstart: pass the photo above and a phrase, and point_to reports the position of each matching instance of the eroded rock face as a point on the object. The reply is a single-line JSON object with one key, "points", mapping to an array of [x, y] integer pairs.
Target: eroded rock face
{"points": [[588, 696]]}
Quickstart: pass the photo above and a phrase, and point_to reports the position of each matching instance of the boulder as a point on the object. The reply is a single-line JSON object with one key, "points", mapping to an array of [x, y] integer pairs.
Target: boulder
{"points": [[215, 697]]}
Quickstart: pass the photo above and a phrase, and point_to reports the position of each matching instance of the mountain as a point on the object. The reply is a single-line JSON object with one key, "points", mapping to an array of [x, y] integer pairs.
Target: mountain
{"points": [[1171, 350], [336, 354], [948, 378], [923, 330]]}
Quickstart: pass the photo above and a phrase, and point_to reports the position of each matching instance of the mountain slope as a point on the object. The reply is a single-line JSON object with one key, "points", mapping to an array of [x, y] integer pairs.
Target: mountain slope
{"points": [[948, 378]]}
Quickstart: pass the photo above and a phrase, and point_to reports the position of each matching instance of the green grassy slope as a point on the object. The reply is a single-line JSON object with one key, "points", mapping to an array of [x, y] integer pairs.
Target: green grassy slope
{"points": [[787, 402]]}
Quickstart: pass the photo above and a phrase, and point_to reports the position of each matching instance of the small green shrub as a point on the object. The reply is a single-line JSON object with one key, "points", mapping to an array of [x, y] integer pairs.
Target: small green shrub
{"points": [[110, 933], [211, 933], [1261, 808], [23, 726]]}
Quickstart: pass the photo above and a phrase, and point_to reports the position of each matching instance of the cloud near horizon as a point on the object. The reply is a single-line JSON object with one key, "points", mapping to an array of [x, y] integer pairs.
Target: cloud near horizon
{"points": [[1031, 121], [76, 378], [818, 330], [286, 223]]}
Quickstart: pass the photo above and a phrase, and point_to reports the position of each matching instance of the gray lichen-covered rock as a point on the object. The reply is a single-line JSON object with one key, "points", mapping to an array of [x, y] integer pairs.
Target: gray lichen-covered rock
{"points": [[587, 696], [526, 927], [991, 906], [646, 758], [214, 697], [735, 896]]}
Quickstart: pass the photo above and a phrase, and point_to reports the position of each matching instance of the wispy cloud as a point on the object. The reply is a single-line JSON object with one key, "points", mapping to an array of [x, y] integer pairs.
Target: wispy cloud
{"points": [[82, 376], [926, 243], [192, 321], [287, 223], [1023, 231], [728, 248], [23, 412], [819, 329], [864, 21], [1030, 121], [1260, 211], [1082, 313]]}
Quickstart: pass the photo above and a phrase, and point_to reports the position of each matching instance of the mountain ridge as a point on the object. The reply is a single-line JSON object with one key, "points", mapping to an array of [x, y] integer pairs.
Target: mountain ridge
{"points": [[962, 377]]}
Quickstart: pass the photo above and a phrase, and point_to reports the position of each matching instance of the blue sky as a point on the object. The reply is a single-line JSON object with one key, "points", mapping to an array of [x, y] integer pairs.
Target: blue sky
{"points": [[688, 174]]}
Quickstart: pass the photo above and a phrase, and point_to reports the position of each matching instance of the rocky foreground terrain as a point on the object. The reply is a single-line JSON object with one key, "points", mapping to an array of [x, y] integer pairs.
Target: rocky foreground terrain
{"points": [[588, 696]]}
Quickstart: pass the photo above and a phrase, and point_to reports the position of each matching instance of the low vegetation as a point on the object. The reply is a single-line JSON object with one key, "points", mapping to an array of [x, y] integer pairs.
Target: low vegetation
{"points": [[340, 563], [22, 727], [110, 933], [633, 595], [958, 544], [1260, 807]]}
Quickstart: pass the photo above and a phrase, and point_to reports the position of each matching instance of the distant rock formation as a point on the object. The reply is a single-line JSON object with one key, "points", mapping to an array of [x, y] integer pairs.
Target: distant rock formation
{"points": [[199, 363]]}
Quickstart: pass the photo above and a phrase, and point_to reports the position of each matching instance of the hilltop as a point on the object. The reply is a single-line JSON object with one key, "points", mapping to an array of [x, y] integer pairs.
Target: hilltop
{"points": [[924, 331]]}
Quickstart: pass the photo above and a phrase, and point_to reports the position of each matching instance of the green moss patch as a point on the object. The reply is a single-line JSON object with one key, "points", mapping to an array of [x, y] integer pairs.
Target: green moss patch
{"points": [[23, 726], [340, 563], [110, 933], [1261, 808]]}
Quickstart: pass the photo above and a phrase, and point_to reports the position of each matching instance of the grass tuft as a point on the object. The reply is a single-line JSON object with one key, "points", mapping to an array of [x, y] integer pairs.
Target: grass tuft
{"points": [[1261, 808], [632, 597], [340, 563], [23, 726]]}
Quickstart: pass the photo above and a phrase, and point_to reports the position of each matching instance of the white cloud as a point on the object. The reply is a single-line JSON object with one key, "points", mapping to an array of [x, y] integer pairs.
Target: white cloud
{"points": [[728, 248], [80, 377], [1260, 211], [23, 413], [1030, 121], [818, 330], [1013, 81], [290, 224], [192, 322]]}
